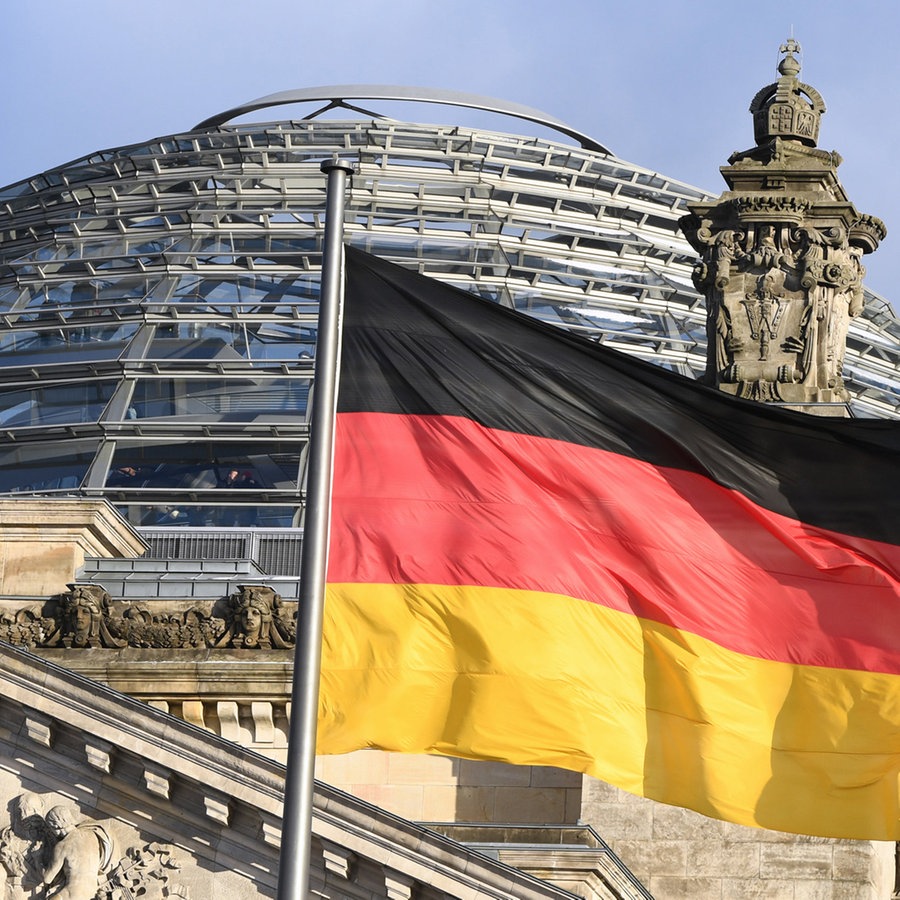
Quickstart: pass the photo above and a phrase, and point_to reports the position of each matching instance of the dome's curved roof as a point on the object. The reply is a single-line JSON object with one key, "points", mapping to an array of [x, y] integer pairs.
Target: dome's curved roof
{"points": [[339, 95]]}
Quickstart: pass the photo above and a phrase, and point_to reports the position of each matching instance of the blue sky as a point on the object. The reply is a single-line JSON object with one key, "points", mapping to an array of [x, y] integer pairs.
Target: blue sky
{"points": [[663, 83]]}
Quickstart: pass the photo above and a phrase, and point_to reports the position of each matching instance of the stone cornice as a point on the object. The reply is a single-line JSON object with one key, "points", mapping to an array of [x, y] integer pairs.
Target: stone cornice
{"points": [[98, 710], [202, 673], [93, 524]]}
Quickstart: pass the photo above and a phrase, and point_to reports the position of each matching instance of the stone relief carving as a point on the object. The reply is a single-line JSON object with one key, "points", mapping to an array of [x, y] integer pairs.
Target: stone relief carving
{"points": [[779, 295], [146, 872], [778, 205], [24, 847], [781, 256], [79, 858], [255, 617], [788, 108], [83, 619], [725, 249], [24, 627], [764, 307], [169, 630], [58, 853]]}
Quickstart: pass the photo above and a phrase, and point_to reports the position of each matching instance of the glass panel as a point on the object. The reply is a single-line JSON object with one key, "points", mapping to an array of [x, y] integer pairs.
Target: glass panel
{"points": [[254, 293], [45, 467], [281, 341], [200, 341], [432, 249], [152, 221], [193, 514], [58, 405], [65, 345], [221, 400], [102, 293], [206, 465], [16, 190]]}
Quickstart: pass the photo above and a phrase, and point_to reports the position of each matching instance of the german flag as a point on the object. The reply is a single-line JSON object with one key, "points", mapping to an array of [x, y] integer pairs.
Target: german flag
{"points": [[549, 553]]}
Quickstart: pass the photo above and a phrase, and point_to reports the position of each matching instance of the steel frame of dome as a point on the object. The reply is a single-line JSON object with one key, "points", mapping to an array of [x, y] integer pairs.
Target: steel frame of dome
{"points": [[340, 95], [158, 302]]}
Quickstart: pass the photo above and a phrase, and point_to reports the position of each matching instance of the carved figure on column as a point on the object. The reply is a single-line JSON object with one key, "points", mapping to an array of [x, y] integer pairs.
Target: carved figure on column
{"points": [[780, 257], [764, 310], [726, 249]]}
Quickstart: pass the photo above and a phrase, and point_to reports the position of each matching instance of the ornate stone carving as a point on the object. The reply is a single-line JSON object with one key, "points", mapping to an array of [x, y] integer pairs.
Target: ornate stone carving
{"points": [[763, 207], [58, 853], [781, 255], [256, 618], [24, 847], [25, 627], [146, 872], [83, 619], [79, 858], [192, 628], [787, 108]]}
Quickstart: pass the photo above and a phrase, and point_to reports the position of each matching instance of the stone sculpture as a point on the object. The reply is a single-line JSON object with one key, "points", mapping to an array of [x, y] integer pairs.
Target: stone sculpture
{"points": [[83, 619], [781, 257], [58, 854], [23, 848], [166, 629], [79, 858], [256, 619]]}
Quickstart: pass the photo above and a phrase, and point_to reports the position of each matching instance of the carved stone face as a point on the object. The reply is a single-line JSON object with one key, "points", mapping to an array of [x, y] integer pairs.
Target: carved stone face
{"points": [[82, 617], [251, 620], [29, 816], [29, 805], [84, 611]]}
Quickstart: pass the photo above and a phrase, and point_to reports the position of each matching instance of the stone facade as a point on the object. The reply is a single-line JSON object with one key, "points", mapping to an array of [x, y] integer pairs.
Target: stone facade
{"points": [[680, 855], [443, 789], [45, 541]]}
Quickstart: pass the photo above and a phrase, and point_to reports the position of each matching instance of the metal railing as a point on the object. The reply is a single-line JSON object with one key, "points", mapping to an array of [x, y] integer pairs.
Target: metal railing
{"points": [[276, 551]]}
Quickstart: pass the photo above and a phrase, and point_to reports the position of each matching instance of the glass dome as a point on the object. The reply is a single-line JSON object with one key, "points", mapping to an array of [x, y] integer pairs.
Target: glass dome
{"points": [[158, 302]]}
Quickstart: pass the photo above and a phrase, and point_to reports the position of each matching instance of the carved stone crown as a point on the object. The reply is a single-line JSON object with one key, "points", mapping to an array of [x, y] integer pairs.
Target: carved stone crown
{"points": [[867, 232], [787, 108]]}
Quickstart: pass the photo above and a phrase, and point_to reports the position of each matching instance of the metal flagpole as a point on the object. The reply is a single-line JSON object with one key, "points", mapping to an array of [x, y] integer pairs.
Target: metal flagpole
{"points": [[296, 835]]}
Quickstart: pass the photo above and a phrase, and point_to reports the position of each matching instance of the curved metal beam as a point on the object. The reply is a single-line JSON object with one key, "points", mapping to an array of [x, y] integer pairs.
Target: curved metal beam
{"points": [[341, 92]]}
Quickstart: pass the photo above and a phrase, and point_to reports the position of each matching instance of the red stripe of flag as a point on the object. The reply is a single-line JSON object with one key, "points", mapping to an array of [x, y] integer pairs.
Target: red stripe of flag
{"points": [[436, 500]]}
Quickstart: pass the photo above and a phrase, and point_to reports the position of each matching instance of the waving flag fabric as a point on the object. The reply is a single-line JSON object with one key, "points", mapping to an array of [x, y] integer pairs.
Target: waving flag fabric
{"points": [[546, 552]]}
